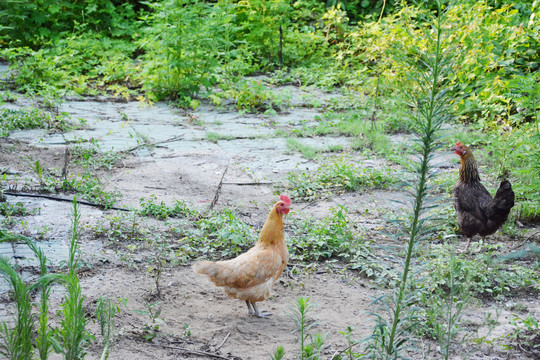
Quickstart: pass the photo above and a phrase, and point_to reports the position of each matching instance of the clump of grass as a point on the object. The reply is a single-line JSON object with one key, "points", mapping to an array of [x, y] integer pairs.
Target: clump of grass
{"points": [[308, 152], [31, 118], [93, 157], [218, 234], [215, 137], [333, 237], [161, 211], [338, 175], [525, 335], [17, 209]]}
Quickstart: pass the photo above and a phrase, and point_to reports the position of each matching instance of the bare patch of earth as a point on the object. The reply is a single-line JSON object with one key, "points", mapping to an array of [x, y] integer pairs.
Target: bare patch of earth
{"points": [[183, 164]]}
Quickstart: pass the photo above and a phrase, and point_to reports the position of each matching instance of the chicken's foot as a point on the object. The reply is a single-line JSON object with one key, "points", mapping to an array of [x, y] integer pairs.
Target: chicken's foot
{"points": [[254, 311]]}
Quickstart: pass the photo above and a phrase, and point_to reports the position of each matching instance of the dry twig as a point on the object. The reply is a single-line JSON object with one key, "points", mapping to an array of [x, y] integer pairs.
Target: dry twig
{"points": [[218, 190], [193, 352]]}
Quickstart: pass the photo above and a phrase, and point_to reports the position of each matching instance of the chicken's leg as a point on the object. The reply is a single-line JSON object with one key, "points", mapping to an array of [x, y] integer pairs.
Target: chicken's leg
{"points": [[469, 238], [258, 313], [251, 312]]}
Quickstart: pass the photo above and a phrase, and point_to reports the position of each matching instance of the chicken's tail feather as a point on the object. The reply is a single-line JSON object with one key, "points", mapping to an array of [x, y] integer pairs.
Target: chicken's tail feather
{"points": [[504, 198], [501, 205], [213, 270], [205, 267]]}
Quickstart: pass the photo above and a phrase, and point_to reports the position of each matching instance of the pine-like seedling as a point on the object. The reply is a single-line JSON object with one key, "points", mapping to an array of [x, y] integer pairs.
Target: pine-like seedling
{"points": [[427, 95]]}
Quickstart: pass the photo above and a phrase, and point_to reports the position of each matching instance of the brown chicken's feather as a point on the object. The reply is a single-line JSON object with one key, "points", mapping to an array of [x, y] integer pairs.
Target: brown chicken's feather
{"points": [[251, 275]]}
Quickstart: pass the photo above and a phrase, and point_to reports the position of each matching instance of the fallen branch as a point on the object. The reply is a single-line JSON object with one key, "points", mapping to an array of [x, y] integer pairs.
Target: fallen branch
{"points": [[82, 202], [524, 242], [148, 145], [218, 190], [192, 352], [247, 183], [223, 342]]}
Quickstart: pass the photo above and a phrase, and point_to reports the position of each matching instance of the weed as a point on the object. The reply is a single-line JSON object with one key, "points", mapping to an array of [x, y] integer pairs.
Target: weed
{"points": [[307, 151], [7, 97], [105, 312], [187, 331], [215, 137], [17, 343], [333, 237], [18, 209], [151, 329], [310, 345], [72, 338], [150, 207], [351, 343], [338, 175], [446, 301], [31, 118], [279, 354], [525, 335], [157, 262], [430, 103], [93, 158], [44, 333], [220, 234], [124, 227]]}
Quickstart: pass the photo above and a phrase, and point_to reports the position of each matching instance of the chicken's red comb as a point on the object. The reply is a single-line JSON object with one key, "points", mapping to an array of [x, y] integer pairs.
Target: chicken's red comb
{"points": [[458, 143], [286, 200]]}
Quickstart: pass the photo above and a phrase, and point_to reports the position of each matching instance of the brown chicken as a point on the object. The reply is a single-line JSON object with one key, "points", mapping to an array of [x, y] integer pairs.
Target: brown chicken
{"points": [[251, 275], [477, 211]]}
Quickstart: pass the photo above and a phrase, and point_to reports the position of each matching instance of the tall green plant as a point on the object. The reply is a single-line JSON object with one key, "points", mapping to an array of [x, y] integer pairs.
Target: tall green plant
{"points": [[43, 339], [444, 304], [72, 338], [310, 345], [16, 342], [105, 312], [427, 95]]}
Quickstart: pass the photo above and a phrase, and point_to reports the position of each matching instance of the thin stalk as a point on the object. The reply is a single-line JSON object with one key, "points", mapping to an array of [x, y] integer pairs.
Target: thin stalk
{"points": [[16, 343], [74, 242], [421, 192], [72, 338], [43, 340]]}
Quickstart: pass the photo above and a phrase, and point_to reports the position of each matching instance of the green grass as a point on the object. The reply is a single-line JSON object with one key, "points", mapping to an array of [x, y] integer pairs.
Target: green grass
{"points": [[31, 118], [486, 277], [69, 337], [93, 158], [159, 210], [309, 152], [334, 237], [338, 175], [215, 137]]}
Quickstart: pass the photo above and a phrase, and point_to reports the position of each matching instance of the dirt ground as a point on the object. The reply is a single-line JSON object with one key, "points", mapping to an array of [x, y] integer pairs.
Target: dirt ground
{"points": [[198, 320]]}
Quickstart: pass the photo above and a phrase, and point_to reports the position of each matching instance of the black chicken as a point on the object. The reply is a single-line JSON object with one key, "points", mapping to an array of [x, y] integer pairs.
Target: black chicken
{"points": [[478, 213]]}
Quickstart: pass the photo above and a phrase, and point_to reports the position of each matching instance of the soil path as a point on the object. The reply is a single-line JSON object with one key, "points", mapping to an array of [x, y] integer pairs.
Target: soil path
{"points": [[175, 155]]}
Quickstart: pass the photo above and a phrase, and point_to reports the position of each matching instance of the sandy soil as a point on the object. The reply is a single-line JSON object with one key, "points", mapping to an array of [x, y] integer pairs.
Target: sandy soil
{"points": [[197, 320]]}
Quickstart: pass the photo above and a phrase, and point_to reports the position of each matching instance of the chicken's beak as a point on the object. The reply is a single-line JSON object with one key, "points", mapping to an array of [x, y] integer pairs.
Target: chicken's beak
{"points": [[453, 148]]}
